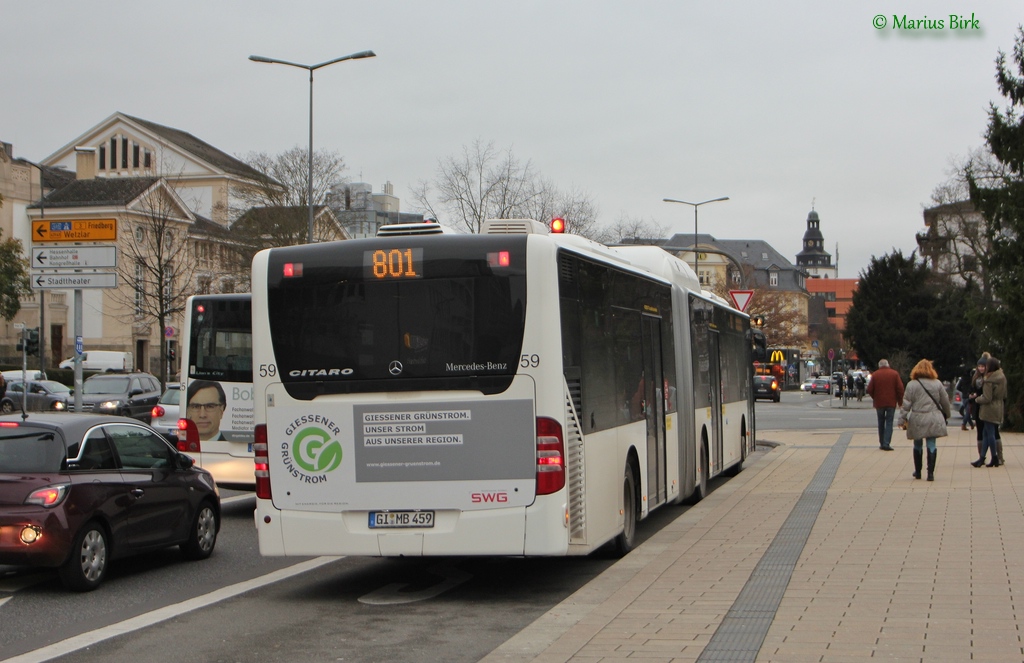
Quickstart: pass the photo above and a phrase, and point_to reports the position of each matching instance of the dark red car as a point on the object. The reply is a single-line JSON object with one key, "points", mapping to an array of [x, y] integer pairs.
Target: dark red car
{"points": [[80, 490]]}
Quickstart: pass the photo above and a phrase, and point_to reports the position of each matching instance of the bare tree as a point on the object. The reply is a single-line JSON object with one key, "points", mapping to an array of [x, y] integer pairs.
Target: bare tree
{"points": [[156, 267], [635, 230], [482, 183], [955, 242], [287, 178]]}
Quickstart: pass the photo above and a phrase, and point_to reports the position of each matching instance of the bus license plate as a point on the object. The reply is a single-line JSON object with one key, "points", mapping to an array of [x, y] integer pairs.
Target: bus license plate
{"points": [[401, 519]]}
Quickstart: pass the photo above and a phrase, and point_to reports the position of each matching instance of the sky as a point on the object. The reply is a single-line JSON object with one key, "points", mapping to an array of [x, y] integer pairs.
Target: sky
{"points": [[780, 106]]}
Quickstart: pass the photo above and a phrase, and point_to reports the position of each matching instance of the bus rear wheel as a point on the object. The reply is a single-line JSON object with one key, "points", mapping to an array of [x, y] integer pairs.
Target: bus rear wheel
{"points": [[700, 490], [626, 540]]}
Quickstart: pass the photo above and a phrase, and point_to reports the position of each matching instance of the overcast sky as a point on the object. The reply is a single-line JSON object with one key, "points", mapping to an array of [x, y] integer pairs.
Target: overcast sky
{"points": [[774, 104]]}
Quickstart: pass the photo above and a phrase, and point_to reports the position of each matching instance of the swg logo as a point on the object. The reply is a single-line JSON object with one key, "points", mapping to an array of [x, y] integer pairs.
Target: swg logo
{"points": [[315, 451]]}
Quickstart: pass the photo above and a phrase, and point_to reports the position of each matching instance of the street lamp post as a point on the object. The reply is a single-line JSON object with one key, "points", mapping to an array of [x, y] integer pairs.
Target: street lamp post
{"points": [[695, 206], [311, 68]]}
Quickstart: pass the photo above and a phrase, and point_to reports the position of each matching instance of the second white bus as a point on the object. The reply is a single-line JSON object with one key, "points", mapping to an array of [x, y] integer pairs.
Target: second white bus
{"points": [[217, 421], [515, 392]]}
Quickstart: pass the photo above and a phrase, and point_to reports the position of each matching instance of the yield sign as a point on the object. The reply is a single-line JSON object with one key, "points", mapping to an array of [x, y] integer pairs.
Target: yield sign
{"points": [[741, 298]]}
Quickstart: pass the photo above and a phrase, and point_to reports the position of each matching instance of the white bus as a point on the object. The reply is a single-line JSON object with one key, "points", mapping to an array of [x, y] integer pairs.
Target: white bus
{"points": [[515, 392], [217, 421]]}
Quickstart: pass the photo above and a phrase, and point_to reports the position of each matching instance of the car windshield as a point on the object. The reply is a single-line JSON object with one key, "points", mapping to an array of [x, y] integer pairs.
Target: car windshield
{"points": [[105, 386], [171, 397], [55, 387], [29, 449]]}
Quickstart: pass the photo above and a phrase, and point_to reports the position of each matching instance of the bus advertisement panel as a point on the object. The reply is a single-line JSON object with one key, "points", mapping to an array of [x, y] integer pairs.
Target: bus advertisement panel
{"points": [[217, 422]]}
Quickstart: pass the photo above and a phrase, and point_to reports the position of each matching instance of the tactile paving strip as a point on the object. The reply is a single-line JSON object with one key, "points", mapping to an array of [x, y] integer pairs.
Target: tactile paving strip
{"points": [[742, 631]]}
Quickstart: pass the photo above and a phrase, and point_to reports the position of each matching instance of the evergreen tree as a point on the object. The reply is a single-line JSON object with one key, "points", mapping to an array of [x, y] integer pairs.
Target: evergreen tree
{"points": [[890, 308], [1001, 202], [897, 308]]}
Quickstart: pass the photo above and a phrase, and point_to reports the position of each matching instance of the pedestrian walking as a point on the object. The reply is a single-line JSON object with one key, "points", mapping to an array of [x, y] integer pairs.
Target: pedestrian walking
{"points": [[991, 409], [886, 391], [924, 413]]}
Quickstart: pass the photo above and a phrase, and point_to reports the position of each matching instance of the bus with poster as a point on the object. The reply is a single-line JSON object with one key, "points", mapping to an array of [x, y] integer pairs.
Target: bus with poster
{"points": [[217, 421], [514, 392]]}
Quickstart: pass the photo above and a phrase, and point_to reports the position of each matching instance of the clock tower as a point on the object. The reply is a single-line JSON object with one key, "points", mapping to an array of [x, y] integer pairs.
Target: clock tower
{"points": [[813, 259]]}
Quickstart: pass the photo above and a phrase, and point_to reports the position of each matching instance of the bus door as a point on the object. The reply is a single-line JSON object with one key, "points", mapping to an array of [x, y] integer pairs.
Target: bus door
{"points": [[715, 400], [654, 412]]}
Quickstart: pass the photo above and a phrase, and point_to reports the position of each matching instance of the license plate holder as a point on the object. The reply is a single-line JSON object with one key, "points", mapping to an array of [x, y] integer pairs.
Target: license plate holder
{"points": [[401, 519]]}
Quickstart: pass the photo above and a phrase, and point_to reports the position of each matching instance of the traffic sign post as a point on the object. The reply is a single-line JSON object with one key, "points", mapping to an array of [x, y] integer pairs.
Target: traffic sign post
{"points": [[741, 298], [68, 280], [88, 230], [94, 256]]}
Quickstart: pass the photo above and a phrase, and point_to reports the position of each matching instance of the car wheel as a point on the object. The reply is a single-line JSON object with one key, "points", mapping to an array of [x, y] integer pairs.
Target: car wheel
{"points": [[87, 565], [6, 406], [203, 536]]}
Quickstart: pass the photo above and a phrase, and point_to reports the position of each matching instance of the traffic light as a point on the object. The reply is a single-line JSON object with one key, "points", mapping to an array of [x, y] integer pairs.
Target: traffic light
{"points": [[171, 354], [32, 341]]}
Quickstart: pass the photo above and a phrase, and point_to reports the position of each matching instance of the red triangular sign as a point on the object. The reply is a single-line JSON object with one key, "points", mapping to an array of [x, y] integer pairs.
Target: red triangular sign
{"points": [[741, 298]]}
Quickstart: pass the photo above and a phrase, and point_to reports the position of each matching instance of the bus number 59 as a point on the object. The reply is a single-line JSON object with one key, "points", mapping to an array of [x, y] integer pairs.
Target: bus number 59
{"points": [[529, 361], [268, 370]]}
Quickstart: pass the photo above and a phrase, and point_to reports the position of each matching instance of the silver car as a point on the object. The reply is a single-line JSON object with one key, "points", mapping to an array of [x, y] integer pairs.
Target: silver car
{"points": [[165, 413]]}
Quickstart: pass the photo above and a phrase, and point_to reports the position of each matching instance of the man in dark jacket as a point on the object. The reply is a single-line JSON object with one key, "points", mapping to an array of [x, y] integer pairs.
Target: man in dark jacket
{"points": [[886, 391]]}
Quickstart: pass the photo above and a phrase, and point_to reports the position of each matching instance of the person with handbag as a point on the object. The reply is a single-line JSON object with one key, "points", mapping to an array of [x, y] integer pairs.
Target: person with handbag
{"points": [[991, 409], [924, 413]]}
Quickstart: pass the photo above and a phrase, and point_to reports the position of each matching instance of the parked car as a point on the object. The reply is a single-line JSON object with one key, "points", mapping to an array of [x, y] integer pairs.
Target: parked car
{"points": [[767, 387], [820, 386], [102, 360], [78, 491], [42, 396], [165, 413], [124, 394], [17, 374]]}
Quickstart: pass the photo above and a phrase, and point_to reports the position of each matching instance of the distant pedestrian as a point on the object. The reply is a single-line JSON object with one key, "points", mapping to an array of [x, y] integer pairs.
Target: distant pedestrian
{"points": [[924, 414], [886, 391], [991, 409]]}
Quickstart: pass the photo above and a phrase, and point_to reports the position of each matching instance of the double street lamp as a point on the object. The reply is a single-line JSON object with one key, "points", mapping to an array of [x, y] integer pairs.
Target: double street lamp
{"points": [[695, 206], [311, 68]]}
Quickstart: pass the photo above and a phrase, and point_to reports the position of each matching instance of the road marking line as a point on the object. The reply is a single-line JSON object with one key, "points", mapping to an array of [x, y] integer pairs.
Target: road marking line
{"points": [[163, 614]]}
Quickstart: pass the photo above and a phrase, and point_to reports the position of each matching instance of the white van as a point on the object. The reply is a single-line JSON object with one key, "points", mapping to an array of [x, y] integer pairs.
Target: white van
{"points": [[102, 360]]}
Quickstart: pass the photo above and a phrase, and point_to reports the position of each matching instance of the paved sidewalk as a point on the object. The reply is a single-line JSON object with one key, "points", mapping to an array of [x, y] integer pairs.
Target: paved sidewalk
{"points": [[823, 549]]}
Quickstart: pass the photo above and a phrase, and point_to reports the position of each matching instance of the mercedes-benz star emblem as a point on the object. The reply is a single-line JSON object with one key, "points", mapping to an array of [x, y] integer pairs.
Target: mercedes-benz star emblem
{"points": [[395, 368]]}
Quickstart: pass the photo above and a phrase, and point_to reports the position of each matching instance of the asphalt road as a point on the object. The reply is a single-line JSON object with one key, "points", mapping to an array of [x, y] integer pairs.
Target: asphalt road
{"points": [[238, 606]]}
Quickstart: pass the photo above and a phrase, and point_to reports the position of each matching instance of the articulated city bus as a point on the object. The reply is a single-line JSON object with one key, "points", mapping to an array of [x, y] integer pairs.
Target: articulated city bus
{"points": [[516, 392], [216, 425]]}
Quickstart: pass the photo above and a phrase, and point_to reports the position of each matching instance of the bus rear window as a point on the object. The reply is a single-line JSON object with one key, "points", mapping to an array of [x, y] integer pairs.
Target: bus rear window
{"points": [[439, 313]]}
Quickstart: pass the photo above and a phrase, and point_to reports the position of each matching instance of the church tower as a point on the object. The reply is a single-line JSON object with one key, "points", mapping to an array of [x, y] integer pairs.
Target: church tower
{"points": [[813, 258]]}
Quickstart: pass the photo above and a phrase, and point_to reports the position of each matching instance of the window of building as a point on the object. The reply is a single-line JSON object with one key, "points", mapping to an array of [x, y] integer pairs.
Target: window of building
{"points": [[203, 285], [773, 278], [830, 312], [140, 234]]}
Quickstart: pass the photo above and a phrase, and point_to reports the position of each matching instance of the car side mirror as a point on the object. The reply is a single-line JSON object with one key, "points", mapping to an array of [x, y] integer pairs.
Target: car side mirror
{"points": [[135, 392], [185, 462]]}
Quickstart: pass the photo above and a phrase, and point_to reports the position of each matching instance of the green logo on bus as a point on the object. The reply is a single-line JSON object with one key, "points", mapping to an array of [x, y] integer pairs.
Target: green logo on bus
{"points": [[315, 451]]}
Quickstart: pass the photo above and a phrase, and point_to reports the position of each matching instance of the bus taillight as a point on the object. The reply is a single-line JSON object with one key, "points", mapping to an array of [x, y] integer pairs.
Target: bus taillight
{"points": [[262, 461], [550, 457], [188, 437]]}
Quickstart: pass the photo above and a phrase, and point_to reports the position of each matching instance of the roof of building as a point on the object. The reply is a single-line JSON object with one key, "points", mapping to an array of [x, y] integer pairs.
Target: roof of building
{"points": [[202, 149], [98, 192], [757, 253]]}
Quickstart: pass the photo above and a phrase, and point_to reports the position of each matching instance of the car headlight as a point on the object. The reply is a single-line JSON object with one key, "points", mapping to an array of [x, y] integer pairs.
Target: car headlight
{"points": [[60, 405], [110, 405]]}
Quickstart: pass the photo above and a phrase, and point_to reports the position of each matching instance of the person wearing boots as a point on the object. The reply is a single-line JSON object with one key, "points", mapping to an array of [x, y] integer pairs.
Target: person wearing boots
{"points": [[990, 410], [977, 381], [924, 413]]}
